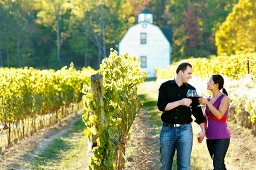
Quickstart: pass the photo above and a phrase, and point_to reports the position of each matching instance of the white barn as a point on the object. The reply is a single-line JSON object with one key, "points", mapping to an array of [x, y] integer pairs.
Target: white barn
{"points": [[148, 42]]}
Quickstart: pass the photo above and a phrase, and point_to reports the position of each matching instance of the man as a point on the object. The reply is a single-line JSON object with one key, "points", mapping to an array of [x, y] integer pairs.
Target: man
{"points": [[176, 133]]}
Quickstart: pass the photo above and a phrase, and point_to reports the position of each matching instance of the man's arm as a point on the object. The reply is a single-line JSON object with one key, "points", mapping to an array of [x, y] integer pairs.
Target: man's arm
{"points": [[202, 126], [198, 114], [200, 119], [162, 97], [201, 134], [182, 102]]}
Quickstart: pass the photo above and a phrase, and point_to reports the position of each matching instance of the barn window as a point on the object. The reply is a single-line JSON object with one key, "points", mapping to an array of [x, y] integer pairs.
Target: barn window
{"points": [[143, 38], [143, 61]]}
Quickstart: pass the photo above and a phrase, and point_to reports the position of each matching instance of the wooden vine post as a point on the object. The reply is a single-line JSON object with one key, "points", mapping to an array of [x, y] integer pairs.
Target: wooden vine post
{"points": [[96, 87], [121, 154]]}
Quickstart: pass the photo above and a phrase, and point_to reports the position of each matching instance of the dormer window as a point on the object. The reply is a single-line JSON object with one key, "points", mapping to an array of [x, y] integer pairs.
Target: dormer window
{"points": [[143, 38], [148, 17], [145, 16]]}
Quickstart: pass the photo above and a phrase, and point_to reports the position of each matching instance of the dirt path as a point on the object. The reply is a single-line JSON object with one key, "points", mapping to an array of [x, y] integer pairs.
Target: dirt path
{"points": [[242, 151], [27, 150], [143, 152]]}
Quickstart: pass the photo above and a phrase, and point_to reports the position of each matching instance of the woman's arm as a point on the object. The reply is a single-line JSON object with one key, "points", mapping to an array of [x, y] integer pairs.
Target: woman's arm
{"points": [[219, 113]]}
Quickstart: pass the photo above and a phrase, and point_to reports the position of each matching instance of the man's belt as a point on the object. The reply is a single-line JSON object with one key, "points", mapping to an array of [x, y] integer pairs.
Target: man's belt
{"points": [[172, 125]]}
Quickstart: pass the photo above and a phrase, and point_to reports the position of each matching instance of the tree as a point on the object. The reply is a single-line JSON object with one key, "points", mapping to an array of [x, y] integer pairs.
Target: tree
{"points": [[237, 33], [161, 13], [175, 11], [14, 33], [192, 30], [209, 15], [214, 13], [107, 22], [49, 14]]}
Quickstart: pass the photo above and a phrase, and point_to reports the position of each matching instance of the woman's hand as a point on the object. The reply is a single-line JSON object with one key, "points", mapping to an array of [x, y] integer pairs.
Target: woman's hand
{"points": [[203, 101]]}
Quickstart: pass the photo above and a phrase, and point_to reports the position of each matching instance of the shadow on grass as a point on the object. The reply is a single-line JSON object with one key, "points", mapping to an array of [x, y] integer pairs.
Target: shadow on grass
{"points": [[150, 79], [152, 112], [56, 148], [53, 150], [78, 127], [147, 102]]}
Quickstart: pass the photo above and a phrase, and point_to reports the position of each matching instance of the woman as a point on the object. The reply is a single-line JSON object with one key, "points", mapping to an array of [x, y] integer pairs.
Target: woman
{"points": [[216, 110]]}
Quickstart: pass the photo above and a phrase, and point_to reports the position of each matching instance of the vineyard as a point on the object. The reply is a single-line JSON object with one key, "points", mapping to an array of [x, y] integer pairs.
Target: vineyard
{"points": [[68, 100], [34, 99]]}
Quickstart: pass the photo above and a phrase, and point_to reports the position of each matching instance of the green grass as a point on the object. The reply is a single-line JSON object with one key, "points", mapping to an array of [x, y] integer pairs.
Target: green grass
{"points": [[153, 114], [150, 79], [54, 150], [66, 152]]}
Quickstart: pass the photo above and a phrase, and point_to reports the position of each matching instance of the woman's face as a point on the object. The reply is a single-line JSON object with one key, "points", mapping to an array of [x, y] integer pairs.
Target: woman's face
{"points": [[211, 85]]}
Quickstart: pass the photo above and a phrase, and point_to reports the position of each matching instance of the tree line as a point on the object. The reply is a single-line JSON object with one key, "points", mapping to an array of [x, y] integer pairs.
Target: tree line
{"points": [[53, 33]]}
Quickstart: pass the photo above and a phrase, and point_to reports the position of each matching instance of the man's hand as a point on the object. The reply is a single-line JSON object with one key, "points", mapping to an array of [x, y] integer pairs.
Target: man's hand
{"points": [[200, 136], [186, 102]]}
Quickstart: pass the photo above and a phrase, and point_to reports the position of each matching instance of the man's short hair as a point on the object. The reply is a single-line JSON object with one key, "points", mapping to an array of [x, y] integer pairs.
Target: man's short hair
{"points": [[183, 67]]}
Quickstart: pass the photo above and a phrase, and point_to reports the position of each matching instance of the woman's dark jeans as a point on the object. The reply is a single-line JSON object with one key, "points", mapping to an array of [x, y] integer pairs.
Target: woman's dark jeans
{"points": [[218, 149]]}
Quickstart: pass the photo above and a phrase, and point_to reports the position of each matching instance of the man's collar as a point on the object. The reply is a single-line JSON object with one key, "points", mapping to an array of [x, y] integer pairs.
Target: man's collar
{"points": [[186, 84], [174, 82]]}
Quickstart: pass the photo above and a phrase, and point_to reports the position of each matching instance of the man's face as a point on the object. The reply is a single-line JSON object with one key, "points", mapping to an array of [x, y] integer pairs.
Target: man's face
{"points": [[186, 75]]}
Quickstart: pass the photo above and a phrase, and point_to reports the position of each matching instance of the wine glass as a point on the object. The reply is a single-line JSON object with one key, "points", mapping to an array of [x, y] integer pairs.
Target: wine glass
{"points": [[193, 95]]}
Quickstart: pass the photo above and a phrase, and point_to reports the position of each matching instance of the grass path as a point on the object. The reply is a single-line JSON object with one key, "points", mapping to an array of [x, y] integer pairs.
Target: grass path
{"points": [[59, 148], [67, 151]]}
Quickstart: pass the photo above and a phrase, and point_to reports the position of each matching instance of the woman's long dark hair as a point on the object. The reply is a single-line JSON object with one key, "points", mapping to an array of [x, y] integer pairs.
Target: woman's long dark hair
{"points": [[218, 79]]}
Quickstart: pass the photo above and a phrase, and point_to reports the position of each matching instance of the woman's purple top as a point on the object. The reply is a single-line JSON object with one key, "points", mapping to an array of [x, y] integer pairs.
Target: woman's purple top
{"points": [[216, 129]]}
